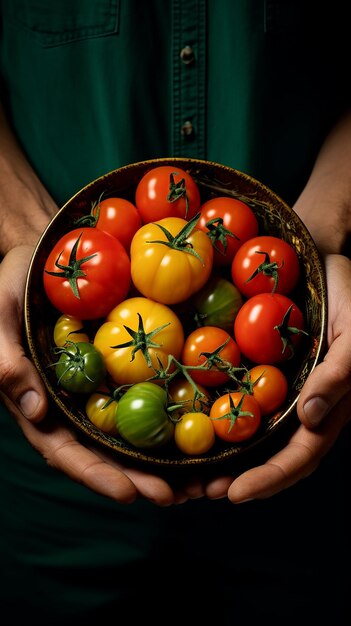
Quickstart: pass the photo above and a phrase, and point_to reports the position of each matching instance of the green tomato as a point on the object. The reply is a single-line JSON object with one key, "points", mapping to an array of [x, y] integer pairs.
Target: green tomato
{"points": [[142, 418], [80, 368], [217, 304]]}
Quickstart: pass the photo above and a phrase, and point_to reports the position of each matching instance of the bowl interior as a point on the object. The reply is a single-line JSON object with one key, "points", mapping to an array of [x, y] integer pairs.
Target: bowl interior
{"points": [[274, 216]]}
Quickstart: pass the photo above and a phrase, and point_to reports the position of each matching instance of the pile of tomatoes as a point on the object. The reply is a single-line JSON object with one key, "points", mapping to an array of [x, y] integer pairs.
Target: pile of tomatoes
{"points": [[176, 316]]}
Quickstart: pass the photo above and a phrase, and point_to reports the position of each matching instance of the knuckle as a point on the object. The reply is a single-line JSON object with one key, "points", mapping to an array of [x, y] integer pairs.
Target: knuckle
{"points": [[8, 375]]}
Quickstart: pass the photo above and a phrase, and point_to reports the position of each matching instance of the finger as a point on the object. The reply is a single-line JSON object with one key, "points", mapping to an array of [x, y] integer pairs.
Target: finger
{"points": [[148, 485], [62, 451], [192, 488], [296, 461], [19, 379], [331, 379], [218, 487]]}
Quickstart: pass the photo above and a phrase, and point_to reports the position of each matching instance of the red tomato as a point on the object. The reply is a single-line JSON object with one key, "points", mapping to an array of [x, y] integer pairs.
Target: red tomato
{"points": [[236, 416], [268, 385], [207, 340], [119, 217], [167, 191], [87, 273], [228, 223], [268, 328], [265, 264]]}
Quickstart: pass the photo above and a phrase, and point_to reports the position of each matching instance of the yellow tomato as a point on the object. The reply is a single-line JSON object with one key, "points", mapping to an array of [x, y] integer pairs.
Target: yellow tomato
{"points": [[170, 265], [137, 338], [194, 433], [100, 415], [66, 328]]}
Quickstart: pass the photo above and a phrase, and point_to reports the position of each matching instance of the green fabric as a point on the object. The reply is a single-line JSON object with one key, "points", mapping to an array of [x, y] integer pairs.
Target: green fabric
{"points": [[90, 86], [95, 85]]}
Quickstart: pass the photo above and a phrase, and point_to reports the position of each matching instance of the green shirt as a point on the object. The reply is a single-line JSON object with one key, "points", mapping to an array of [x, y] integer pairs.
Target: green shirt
{"points": [[89, 86], [93, 85]]}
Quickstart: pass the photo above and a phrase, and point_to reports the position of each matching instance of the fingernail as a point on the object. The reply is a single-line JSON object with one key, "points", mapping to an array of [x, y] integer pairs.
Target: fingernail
{"points": [[29, 403], [315, 410]]}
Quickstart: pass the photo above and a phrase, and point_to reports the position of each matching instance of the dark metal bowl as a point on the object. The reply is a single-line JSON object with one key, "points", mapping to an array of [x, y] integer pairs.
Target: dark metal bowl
{"points": [[274, 216]]}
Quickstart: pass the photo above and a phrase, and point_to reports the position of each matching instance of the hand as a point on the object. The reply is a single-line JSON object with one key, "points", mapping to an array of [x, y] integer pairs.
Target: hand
{"points": [[323, 406], [24, 394]]}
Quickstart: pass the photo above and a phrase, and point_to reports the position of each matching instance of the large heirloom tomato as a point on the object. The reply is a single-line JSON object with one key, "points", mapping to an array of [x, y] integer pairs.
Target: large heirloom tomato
{"points": [[228, 222], [236, 416], [170, 260], [265, 264], [87, 273], [167, 191], [198, 347], [137, 339], [142, 418], [268, 328]]}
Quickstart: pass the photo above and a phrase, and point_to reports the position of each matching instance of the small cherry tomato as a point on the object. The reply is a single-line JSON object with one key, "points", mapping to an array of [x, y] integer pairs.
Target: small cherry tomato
{"points": [[194, 433], [101, 410], [80, 367], [118, 217], [228, 222], [268, 385], [167, 191], [236, 416], [265, 264], [206, 341], [69, 328], [181, 391]]}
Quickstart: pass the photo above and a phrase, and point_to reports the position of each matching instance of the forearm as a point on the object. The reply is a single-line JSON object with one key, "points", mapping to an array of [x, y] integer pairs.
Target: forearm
{"points": [[325, 203], [25, 205]]}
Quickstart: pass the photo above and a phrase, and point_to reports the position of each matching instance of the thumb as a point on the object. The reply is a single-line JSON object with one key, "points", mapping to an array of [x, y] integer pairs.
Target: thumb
{"points": [[19, 379]]}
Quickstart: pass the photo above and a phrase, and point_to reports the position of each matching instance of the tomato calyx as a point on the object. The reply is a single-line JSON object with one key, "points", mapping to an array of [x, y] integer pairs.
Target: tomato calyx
{"points": [[234, 412], [73, 270], [218, 233], [267, 268], [75, 360], [213, 360], [285, 332], [140, 340], [180, 241], [246, 384], [92, 218], [178, 190]]}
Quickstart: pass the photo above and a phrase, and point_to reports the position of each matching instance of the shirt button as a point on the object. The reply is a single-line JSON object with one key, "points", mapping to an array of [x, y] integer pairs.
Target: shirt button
{"points": [[187, 55], [187, 130]]}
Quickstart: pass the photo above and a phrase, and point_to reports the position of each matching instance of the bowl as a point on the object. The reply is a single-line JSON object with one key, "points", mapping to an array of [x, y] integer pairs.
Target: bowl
{"points": [[274, 216]]}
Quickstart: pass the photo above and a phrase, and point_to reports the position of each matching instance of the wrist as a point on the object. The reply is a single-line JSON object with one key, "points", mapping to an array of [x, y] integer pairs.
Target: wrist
{"points": [[325, 210]]}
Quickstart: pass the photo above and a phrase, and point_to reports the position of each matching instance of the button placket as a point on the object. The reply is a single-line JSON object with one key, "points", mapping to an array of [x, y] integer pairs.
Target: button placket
{"points": [[189, 25]]}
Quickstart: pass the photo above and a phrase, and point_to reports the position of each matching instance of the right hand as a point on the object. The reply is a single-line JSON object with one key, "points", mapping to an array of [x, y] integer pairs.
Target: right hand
{"points": [[24, 394]]}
